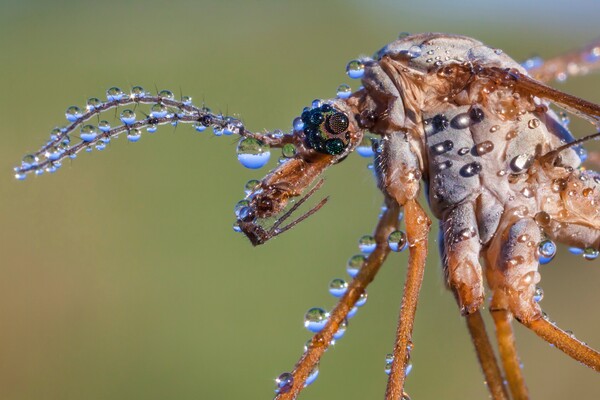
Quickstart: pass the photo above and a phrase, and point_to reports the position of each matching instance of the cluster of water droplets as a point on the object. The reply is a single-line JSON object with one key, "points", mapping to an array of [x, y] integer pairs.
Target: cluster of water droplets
{"points": [[163, 109]]}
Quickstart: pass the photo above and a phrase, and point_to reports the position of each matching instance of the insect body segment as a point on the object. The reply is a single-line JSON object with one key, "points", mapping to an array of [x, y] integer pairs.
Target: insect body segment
{"points": [[501, 172]]}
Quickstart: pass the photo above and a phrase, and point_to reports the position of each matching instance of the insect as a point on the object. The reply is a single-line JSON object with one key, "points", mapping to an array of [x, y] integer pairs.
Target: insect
{"points": [[466, 122]]}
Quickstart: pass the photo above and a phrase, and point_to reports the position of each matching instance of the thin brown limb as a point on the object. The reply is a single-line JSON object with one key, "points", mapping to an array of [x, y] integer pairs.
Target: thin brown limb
{"points": [[508, 354], [576, 63], [583, 108], [574, 348], [320, 341], [417, 230], [486, 356]]}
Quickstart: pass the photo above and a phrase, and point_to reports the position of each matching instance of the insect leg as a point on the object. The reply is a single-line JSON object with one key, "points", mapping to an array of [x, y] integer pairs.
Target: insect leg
{"points": [[320, 341], [513, 271], [417, 230], [460, 258], [508, 352], [576, 63], [527, 85]]}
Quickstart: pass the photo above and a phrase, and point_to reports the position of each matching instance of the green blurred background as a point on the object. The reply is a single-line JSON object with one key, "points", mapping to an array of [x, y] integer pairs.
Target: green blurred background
{"points": [[121, 277]]}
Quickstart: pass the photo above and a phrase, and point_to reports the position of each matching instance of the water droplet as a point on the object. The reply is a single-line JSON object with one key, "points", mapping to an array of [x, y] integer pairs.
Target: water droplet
{"points": [[297, 124], [312, 376], [533, 123], [367, 244], [199, 127], [462, 151], [252, 153], [533, 62], [442, 147], [397, 241], [152, 128], [93, 103], [589, 253], [284, 382], [137, 92], [88, 133], [444, 165], [352, 312], [494, 128], [315, 319], [134, 135], [355, 69], [471, 169], [114, 94], [484, 147], [354, 264], [343, 91], [546, 251], [461, 121], [365, 148], [414, 51], [166, 94], [217, 131], [28, 161], [341, 330], [251, 185], [288, 150], [104, 126], [73, 113], [521, 162], [497, 51], [127, 117], [337, 287], [362, 300], [576, 251], [528, 192], [158, 111], [389, 361], [538, 295], [476, 114], [186, 100], [20, 176]]}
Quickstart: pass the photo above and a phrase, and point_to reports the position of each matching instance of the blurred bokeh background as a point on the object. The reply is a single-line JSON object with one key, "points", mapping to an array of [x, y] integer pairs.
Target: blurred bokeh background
{"points": [[121, 276]]}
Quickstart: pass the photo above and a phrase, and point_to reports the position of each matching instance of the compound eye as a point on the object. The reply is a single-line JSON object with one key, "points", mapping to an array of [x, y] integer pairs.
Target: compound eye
{"points": [[337, 123]]}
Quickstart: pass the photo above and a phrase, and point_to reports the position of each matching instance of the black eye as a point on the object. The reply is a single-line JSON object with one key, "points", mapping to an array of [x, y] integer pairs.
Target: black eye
{"points": [[334, 146], [337, 123], [316, 117]]}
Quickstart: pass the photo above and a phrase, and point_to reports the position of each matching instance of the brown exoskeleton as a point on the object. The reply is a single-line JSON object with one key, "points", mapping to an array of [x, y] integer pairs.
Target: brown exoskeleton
{"points": [[501, 172]]}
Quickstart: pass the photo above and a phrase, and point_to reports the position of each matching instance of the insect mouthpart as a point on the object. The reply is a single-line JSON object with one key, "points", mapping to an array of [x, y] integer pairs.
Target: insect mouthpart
{"points": [[263, 206]]}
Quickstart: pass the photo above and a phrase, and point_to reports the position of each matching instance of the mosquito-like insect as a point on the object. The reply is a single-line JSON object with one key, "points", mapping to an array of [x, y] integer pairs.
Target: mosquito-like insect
{"points": [[501, 171]]}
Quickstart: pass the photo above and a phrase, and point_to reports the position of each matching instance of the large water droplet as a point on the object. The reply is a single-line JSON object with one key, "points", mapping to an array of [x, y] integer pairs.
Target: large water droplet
{"points": [[252, 153], [484, 147], [73, 113], [251, 185], [93, 103], [442, 147], [20, 176], [414, 51], [471, 169], [354, 265], [341, 330], [284, 382], [315, 319], [158, 111], [355, 69], [288, 150], [367, 244], [166, 94], [127, 117], [589, 253], [88, 133], [521, 162], [114, 93], [343, 91], [137, 92], [546, 251], [104, 126], [134, 135], [362, 300], [337, 287], [397, 241]]}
